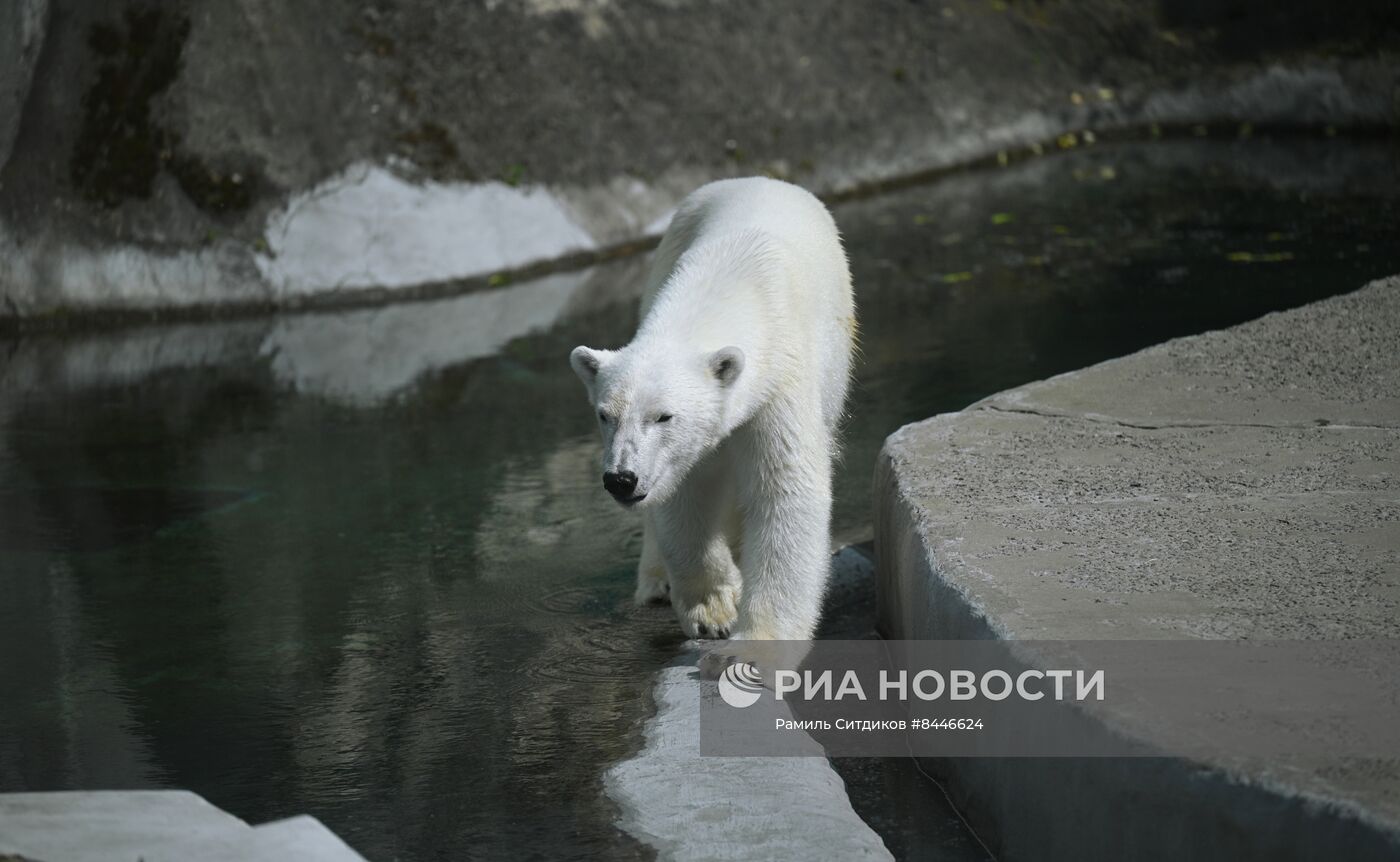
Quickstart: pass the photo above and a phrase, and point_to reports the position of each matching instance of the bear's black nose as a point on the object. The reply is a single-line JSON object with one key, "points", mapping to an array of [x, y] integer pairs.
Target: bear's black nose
{"points": [[620, 484]]}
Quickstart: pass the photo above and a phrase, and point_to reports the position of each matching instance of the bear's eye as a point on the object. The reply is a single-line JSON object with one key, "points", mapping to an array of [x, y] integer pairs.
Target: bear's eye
{"points": [[664, 417], [602, 417]]}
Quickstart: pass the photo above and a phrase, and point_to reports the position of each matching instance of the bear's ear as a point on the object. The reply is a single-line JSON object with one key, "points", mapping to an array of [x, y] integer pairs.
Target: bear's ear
{"points": [[726, 364], [586, 363]]}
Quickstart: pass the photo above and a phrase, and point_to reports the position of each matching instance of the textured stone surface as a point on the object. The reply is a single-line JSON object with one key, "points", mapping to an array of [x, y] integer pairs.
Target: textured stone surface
{"points": [[1243, 483], [163, 150], [22, 25], [1238, 484]]}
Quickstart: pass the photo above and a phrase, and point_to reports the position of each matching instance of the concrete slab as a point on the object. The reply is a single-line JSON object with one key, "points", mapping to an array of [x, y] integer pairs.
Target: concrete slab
{"points": [[721, 808], [303, 838], [690, 807], [155, 826], [107, 824], [1238, 484]]}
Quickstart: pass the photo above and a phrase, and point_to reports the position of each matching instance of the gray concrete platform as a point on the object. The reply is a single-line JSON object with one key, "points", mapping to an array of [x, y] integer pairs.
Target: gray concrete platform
{"points": [[1238, 484], [154, 826]]}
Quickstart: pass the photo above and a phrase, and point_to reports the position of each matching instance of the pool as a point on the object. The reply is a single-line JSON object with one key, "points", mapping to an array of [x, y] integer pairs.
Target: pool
{"points": [[358, 564]]}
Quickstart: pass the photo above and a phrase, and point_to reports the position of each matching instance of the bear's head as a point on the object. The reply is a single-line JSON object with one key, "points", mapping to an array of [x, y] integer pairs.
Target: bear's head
{"points": [[659, 413]]}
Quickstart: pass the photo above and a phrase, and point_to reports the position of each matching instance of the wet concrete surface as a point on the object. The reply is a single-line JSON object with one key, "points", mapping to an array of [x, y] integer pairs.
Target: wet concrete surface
{"points": [[357, 565]]}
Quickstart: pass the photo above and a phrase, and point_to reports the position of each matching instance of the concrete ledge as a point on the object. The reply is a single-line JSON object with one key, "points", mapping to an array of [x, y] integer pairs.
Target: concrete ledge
{"points": [[721, 808], [1243, 483], [155, 826]]}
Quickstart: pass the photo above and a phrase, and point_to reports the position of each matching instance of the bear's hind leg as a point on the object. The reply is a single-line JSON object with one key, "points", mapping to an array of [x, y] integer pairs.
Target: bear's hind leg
{"points": [[653, 586]]}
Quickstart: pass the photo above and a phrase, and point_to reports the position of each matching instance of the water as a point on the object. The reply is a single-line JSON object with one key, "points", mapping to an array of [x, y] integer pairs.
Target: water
{"points": [[358, 565]]}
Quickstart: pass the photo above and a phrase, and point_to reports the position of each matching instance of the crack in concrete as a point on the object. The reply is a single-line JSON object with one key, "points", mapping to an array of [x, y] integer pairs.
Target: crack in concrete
{"points": [[1108, 420], [1166, 499]]}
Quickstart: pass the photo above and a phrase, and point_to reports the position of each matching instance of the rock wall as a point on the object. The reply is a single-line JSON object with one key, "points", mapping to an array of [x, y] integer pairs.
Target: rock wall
{"points": [[216, 153], [22, 25]]}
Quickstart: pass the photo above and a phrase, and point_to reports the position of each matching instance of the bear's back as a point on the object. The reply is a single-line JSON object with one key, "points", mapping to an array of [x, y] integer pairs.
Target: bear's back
{"points": [[787, 213]]}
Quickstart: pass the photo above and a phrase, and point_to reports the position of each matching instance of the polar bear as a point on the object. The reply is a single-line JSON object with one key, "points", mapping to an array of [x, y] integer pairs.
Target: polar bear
{"points": [[719, 419]]}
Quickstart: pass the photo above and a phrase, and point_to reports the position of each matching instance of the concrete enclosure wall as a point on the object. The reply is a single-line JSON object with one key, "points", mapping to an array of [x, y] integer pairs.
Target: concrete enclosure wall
{"points": [[243, 152]]}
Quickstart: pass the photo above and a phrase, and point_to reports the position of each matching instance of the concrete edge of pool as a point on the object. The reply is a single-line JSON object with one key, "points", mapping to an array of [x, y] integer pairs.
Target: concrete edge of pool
{"points": [[688, 806], [154, 826], [1226, 485]]}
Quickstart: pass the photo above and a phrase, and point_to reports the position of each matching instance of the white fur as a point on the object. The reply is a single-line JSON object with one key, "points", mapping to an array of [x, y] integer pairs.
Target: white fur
{"points": [[746, 342]]}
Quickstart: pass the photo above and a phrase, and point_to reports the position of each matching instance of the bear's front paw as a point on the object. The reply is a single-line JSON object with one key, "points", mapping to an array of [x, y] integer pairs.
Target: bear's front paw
{"points": [[711, 617]]}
